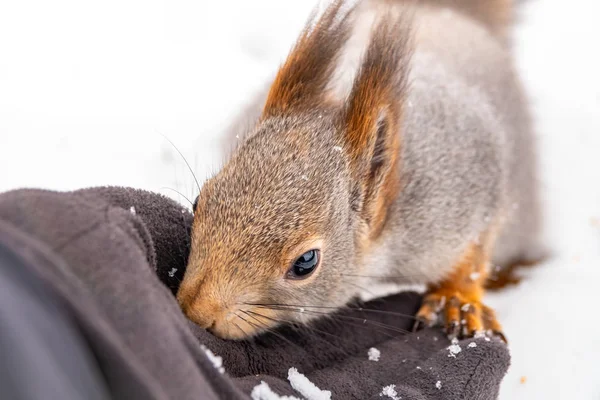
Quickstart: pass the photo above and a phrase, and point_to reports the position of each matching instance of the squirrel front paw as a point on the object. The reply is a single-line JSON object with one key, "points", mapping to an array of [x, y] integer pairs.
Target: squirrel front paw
{"points": [[456, 303], [461, 317]]}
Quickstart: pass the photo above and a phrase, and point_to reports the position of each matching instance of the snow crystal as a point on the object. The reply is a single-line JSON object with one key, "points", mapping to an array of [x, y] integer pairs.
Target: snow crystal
{"points": [[374, 354], [304, 177], [216, 360], [132, 210], [172, 272], [418, 367], [306, 388], [454, 348], [438, 384], [472, 344], [337, 148], [264, 392], [465, 307], [390, 391], [301, 309], [479, 334], [474, 276]]}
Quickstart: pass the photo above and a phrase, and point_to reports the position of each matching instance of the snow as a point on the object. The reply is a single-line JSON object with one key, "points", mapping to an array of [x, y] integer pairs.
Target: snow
{"points": [[390, 391], [438, 384], [172, 272], [454, 348], [262, 391], [472, 345], [216, 360], [305, 387], [82, 105], [474, 276], [132, 210], [374, 354]]}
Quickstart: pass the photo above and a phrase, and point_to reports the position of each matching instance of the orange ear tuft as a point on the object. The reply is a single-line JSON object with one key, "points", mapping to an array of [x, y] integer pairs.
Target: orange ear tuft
{"points": [[302, 80], [373, 116]]}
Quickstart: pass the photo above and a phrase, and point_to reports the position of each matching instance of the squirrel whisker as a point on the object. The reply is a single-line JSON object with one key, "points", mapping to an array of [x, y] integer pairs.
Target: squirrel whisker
{"points": [[336, 316], [362, 309], [179, 193], [184, 160]]}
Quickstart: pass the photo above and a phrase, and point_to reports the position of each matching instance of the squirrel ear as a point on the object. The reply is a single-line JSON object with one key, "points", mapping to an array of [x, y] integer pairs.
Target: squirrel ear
{"points": [[302, 80], [372, 120]]}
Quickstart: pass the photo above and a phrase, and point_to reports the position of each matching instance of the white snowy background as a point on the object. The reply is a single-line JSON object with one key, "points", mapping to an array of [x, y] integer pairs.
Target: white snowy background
{"points": [[87, 89]]}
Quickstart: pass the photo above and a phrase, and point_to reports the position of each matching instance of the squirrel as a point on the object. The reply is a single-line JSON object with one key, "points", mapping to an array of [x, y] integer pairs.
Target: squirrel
{"points": [[418, 167]]}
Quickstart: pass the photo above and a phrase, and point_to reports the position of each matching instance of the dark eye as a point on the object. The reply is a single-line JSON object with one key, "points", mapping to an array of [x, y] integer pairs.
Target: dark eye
{"points": [[195, 204], [304, 265]]}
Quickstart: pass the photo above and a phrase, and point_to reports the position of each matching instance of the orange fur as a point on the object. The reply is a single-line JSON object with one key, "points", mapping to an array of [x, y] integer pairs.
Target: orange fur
{"points": [[459, 297], [301, 81], [468, 275], [376, 102], [507, 274]]}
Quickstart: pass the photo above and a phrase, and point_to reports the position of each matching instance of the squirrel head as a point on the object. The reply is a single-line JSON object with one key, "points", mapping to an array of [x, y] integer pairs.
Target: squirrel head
{"points": [[279, 233]]}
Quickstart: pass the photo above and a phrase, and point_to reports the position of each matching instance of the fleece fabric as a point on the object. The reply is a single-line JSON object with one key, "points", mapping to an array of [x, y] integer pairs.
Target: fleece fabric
{"points": [[112, 258]]}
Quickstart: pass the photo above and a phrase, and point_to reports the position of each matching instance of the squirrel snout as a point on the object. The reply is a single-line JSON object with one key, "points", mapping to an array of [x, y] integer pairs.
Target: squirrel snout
{"points": [[197, 308], [221, 318], [212, 314]]}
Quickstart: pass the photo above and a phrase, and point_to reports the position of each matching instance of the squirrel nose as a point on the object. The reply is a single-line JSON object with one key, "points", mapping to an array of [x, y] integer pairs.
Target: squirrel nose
{"points": [[205, 310], [200, 310], [206, 322], [201, 313]]}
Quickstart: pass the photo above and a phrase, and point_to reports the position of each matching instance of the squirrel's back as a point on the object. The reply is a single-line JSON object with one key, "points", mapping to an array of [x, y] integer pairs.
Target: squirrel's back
{"points": [[468, 151]]}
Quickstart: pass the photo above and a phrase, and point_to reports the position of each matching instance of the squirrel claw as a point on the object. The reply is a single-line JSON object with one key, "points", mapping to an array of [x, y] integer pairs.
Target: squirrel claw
{"points": [[422, 322], [453, 330], [418, 325], [461, 318], [501, 336]]}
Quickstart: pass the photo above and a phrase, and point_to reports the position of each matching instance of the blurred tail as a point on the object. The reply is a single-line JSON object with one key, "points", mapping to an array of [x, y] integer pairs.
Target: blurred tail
{"points": [[497, 15], [508, 275]]}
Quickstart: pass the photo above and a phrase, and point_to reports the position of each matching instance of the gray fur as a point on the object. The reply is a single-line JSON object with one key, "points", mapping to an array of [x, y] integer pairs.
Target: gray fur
{"points": [[467, 164], [468, 150]]}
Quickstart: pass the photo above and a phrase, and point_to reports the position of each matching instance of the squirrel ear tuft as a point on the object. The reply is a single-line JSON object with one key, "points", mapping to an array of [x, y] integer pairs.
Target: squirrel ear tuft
{"points": [[372, 118], [302, 80]]}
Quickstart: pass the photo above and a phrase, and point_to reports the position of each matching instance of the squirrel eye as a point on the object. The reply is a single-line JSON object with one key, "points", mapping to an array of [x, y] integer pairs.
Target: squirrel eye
{"points": [[304, 265], [195, 205]]}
